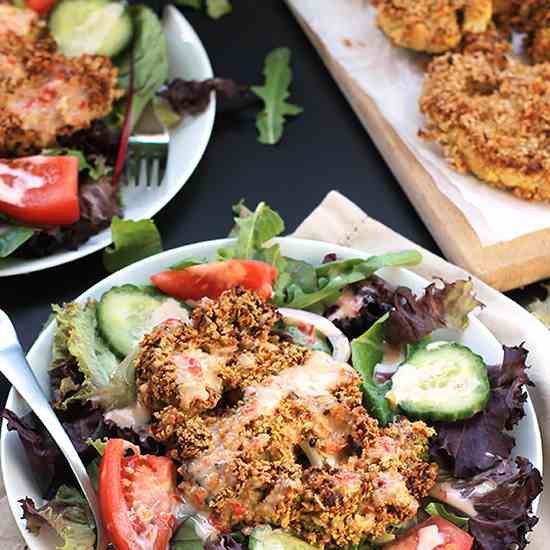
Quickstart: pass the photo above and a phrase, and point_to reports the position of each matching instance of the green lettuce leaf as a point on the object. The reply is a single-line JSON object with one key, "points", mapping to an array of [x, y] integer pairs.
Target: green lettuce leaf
{"points": [[12, 237], [78, 344], [334, 276], [150, 58], [132, 241], [68, 514], [367, 351], [437, 509], [274, 93]]}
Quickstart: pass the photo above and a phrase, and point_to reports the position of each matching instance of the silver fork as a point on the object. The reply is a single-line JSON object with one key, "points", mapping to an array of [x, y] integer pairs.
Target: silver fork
{"points": [[14, 366], [146, 158]]}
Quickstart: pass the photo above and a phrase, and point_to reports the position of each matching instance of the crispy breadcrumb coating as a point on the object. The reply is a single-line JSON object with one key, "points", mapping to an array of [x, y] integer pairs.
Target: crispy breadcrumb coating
{"points": [[44, 94], [268, 432], [229, 346], [312, 462], [432, 26], [538, 45], [21, 23], [494, 43], [492, 119], [531, 17]]}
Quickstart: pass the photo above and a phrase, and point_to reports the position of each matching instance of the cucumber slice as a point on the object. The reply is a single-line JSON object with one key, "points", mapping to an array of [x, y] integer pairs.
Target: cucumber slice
{"points": [[100, 27], [443, 381], [266, 538], [125, 313]]}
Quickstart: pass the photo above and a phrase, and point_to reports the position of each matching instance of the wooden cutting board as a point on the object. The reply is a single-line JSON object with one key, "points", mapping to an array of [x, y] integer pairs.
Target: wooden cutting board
{"points": [[504, 266]]}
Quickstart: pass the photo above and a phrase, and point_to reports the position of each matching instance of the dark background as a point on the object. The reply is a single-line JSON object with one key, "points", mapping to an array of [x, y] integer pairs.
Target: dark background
{"points": [[325, 148]]}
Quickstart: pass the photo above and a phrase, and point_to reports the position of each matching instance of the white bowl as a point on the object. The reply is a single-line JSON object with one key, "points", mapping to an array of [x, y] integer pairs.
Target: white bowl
{"points": [[187, 59], [18, 477]]}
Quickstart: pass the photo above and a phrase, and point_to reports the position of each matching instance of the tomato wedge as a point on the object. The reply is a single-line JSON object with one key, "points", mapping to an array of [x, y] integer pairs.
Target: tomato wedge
{"points": [[210, 280], [137, 497], [40, 189], [434, 531], [40, 6]]}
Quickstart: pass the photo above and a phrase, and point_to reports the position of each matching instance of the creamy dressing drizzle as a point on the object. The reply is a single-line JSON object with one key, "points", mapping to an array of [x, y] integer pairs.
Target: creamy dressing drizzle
{"points": [[134, 416], [429, 538], [312, 382], [196, 373], [349, 305], [20, 181]]}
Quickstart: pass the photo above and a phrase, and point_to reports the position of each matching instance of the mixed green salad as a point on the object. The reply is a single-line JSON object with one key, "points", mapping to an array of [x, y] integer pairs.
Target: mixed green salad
{"points": [[253, 400], [75, 79]]}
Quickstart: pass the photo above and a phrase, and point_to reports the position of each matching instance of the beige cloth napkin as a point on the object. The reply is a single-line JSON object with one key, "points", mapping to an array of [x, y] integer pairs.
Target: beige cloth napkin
{"points": [[339, 221]]}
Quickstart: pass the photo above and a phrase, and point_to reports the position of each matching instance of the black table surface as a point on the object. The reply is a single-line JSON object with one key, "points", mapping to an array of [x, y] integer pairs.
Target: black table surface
{"points": [[323, 149]]}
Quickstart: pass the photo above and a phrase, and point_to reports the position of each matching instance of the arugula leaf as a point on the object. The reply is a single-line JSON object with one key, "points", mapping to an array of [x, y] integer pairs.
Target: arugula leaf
{"points": [[366, 352], [437, 509], [149, 56], [12, 237], [68, 514], [274, 93], [132, 241], [253, 230], [218, 8], [334, 276]]}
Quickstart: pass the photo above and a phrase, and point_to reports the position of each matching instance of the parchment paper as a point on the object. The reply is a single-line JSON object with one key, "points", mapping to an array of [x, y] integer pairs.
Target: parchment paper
{"points": [[393, 77]]}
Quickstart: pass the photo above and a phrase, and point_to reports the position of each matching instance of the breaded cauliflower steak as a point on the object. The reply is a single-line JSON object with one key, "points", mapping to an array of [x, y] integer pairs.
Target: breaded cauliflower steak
{"points": [[432, 26], [492, 119], [44, 94], [268, 432]]}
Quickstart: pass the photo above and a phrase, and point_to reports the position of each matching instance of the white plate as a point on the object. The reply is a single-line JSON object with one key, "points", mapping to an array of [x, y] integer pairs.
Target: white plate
{"points": [[187, 59], [18, 477]]}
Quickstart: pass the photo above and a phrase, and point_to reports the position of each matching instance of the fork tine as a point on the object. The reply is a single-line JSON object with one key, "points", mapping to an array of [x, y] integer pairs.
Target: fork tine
{"points": [[154, 171], [135, 169], [162, 166], [148, 161]]}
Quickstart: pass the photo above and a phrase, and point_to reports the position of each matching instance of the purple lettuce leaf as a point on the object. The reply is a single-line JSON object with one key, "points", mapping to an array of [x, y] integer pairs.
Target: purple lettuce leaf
{"points": [[42, 453], [479, 443], [440, 306], [360, 305], [498, 502], [191, 97], [98, 139], [223, 542]]}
